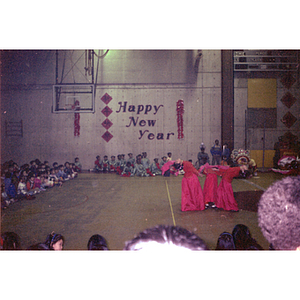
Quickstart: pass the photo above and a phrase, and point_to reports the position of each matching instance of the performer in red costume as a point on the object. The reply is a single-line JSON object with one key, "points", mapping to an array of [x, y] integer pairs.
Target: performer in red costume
{"points": [[191, 191], [211, 183], [225, 198]]}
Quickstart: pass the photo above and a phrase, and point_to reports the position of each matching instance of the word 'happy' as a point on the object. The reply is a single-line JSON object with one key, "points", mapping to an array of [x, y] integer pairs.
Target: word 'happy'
{"points": [[139, 109]]}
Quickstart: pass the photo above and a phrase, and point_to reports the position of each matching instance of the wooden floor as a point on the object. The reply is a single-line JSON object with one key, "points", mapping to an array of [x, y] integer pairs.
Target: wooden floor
{"points": [[118, 208]]}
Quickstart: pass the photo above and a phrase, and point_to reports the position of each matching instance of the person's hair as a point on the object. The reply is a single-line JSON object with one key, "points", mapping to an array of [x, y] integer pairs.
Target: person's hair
{"points": [[97, 242], [53, 238], [11, 241], [225, 242], [167, 236], [38, 246], [177, 166], [253, 245], [279, 214], [241, 236]]}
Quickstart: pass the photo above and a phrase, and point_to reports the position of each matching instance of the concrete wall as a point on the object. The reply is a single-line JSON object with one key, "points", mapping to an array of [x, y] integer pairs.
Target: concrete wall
{"points": [[135, 77], [255, 135]]}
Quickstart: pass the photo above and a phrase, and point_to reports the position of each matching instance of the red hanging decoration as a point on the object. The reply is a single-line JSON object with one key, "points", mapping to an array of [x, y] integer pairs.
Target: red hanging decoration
{"points": [[180, 111], [76, 119]]}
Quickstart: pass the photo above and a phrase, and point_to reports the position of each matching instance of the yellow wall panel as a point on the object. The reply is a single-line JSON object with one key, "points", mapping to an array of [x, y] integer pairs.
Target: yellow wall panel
{"points": [[257, 155], [262, 93]]}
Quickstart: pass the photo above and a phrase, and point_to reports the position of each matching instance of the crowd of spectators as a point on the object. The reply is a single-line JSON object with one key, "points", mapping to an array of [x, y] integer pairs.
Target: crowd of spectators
{"points": [[24, 182], [149, 239]]}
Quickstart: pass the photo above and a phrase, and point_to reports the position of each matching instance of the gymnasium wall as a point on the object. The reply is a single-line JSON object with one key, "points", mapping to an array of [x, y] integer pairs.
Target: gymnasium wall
{"points": [[144, 87], [266, 96]]}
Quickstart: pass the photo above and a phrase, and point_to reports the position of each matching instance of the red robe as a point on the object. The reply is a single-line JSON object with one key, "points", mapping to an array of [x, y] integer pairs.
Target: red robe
{"points": [[211, 182], [191, 191], [210, 187], [225, 198]]}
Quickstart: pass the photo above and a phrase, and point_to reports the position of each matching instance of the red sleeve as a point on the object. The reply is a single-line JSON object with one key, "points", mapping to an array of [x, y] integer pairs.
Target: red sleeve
{"points": [[231, 173]]}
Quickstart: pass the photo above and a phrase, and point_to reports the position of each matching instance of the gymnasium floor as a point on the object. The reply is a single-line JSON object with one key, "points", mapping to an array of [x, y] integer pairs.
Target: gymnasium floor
{"points": [[119, 207]]}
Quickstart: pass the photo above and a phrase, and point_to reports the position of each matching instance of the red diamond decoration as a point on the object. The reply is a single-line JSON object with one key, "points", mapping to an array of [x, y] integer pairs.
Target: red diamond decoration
{"points": [[107, 136], [106, 98], [106, 111], [287, 80], [107, 124], [288, 100], [288, 120]]}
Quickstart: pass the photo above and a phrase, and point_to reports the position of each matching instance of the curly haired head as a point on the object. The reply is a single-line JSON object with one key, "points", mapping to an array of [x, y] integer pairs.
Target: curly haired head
{"points": [[279, 214]]}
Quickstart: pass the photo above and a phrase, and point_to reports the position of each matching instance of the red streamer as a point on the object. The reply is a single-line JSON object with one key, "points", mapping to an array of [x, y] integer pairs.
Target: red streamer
{"points": [[180, 111], [76, 119]]}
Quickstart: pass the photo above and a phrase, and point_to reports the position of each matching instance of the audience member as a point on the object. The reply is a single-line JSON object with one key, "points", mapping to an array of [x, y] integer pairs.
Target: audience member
{"points": [[226, 155], [38, 246], [155, 168], [225, 242], [98, 164], [113, 164], [164, 237], [216, 152], [78, 165], [97, 242], [163, 161], [10, 241], [55, 241], [279, 214], [105, 164], [131, 159], [202, 156], [169, 156], [128, 170], [243, 239], [139, 168]]}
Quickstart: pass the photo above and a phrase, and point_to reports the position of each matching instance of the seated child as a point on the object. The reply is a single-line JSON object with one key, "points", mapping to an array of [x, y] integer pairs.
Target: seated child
{"points": [[105, 164], [131, 159], [46, 182], [155, 168], [127, 170], [74, 172], [163, 161], [30, 185], [68, 170], [38, 182], [52, 177], [139, 169], [61, 174], [98, 164], [113, 164], [78, 166]]}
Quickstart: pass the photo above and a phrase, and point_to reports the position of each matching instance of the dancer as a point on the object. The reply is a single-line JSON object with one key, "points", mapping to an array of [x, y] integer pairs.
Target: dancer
{"points": [[225, 198], [191, 191], [211, 184]]}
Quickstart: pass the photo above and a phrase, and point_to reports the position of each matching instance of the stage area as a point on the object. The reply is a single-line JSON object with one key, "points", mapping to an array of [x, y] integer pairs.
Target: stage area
{"points": [[120, 207]]}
